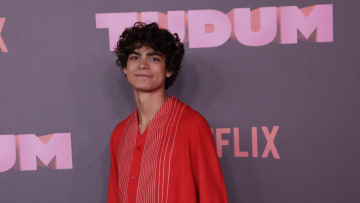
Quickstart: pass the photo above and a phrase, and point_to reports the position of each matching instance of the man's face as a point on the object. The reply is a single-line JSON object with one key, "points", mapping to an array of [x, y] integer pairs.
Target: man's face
{"points": [[146, 70]]}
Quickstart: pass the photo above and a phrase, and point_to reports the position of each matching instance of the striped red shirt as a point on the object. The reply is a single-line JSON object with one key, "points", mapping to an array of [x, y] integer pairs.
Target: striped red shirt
{"points": [[174, 160]]}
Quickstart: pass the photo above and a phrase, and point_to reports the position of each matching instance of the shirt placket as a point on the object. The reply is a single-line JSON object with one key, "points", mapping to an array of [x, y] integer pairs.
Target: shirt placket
{"points": [[136, 166]]}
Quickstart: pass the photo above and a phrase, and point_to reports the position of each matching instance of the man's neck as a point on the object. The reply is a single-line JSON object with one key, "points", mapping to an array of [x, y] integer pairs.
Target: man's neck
{"points": [[147, 104]]}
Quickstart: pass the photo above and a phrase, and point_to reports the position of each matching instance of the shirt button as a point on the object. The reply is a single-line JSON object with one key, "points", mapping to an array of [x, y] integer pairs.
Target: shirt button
{"points": [[138, 147], [133, 177]]}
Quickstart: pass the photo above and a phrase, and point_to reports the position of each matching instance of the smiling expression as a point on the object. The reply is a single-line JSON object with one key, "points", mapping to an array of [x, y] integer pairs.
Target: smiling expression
{"points": [[146, 70]]}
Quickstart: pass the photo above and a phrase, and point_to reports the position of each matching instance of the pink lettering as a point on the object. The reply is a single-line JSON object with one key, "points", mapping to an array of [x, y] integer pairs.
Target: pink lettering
{"points": [[30, 151], [269, 137], [45, 148], [255, 28], [116, 23], [237, 152], [160, 18], [254, 142], [3, 47], [314, 23], [212, 28], [7, 152], [176, 23], [219, 141], [270, 146], [208, 28]]}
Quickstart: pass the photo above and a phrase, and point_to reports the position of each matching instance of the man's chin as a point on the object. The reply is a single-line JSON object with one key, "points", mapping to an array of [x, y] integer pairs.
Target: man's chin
{"points": [[147, 89]]}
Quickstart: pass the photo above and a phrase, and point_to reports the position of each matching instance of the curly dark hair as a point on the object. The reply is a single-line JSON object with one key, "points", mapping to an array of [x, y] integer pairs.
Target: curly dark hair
{"points": [[161, 40]]}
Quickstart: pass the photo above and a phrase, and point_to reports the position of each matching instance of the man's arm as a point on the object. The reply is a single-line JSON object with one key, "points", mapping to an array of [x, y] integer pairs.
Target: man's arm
{"points": [[205, 164], [113, 179]]}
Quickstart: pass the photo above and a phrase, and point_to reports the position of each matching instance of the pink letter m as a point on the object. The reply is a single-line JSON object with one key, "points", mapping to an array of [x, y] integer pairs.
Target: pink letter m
{"points": [[54, 148]]}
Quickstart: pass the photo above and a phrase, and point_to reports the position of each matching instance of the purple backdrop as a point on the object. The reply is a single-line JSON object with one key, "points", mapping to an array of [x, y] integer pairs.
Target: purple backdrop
{"points": [[284, 114]]}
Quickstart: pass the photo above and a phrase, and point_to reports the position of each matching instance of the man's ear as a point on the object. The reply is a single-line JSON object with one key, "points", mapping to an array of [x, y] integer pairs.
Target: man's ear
{"points": [[168, 74], [125, 71]]}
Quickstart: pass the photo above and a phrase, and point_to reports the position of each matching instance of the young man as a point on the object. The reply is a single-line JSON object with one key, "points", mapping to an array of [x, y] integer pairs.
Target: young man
{"points": [[164, 151]]}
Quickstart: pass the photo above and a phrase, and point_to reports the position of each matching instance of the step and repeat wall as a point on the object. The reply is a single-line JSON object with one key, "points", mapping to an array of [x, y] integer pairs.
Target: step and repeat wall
{"points": [[277, 80]]}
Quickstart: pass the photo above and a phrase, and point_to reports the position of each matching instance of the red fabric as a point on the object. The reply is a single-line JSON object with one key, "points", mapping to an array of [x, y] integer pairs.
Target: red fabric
{"points": [[175, 159]]}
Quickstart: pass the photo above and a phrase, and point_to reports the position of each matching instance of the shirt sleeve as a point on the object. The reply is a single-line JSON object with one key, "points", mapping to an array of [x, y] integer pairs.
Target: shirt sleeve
{"points": [[205, 164], [113, 187]]}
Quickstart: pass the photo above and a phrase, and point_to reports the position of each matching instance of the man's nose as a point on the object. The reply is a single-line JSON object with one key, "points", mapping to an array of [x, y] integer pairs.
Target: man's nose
{"points": [[143, 64]]}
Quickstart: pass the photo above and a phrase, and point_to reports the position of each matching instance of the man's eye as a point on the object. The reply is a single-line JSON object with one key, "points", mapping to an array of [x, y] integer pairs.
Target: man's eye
{"points": [[155, 59], [133, 57]]}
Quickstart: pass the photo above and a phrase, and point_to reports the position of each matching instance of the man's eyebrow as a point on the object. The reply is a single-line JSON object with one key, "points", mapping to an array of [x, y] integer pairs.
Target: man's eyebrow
{"points": [[154, 53]]}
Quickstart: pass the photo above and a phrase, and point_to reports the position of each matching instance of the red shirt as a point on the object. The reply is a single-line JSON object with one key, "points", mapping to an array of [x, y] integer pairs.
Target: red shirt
{"points": [[174, 160]]}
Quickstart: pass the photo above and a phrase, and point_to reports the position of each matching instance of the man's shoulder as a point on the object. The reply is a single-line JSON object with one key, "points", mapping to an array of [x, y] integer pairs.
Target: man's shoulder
{"points": [[194, 125], [193, 117]]}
